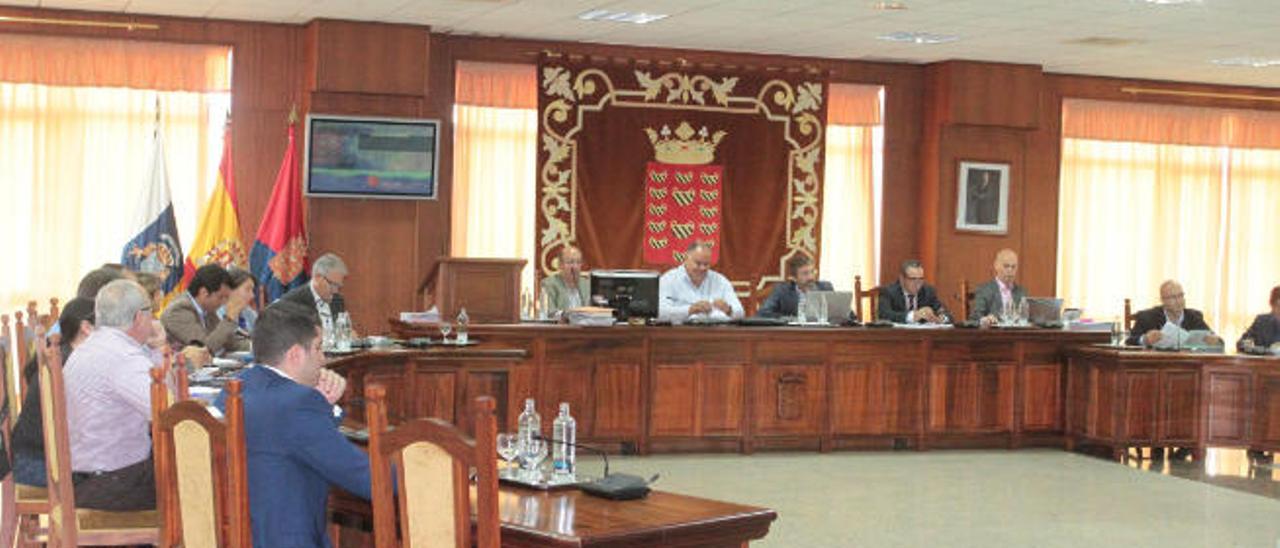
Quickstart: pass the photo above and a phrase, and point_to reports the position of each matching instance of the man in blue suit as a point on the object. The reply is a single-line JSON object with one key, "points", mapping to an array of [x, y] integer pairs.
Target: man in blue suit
{"points": [[292, 441]]}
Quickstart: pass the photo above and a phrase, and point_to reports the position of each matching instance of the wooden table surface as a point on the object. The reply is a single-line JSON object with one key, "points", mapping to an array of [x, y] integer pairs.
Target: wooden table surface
{"points": [[572, 518]]}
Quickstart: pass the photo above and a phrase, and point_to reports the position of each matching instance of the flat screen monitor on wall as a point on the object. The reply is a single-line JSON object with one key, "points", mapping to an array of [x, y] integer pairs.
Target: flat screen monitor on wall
{"points": [[366, 157]]}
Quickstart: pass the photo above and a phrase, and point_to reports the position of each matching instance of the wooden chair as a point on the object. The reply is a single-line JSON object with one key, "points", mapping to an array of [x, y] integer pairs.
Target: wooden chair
{"points": [[69, 526], [966, 300], [24, 505], [202, 488], [432, 461], [1128, 316], [872, 295]]}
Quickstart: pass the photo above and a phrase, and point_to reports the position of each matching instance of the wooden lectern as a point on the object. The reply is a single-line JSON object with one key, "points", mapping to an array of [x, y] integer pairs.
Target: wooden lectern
{"points": [[488, 288]]}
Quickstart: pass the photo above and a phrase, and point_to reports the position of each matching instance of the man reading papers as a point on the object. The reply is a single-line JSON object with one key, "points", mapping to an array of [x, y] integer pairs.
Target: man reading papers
{"points": [[1172, 324]]}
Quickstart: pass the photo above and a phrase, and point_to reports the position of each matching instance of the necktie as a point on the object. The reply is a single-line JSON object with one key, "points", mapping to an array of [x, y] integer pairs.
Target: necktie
{"points": [[911, 302]]}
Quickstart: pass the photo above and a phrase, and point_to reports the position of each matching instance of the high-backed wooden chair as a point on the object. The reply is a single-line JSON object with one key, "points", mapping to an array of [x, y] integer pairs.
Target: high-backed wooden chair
{"points": [[69, 526], [8, 508], [432, 461], [966, 300], [24, 505], [1128, 315], [872, 295], [202, 484], [22, 347]]}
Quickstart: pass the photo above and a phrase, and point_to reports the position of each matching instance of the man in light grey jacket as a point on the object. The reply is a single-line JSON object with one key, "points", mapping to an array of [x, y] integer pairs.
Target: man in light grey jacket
{"points": [[566, 289]]}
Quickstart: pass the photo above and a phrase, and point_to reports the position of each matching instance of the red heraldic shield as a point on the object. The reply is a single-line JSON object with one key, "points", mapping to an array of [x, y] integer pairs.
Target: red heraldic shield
{"points": [[682, 205]]}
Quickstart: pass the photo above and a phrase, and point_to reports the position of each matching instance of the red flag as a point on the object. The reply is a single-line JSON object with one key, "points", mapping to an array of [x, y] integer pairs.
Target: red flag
{"points": [[279, 256]]}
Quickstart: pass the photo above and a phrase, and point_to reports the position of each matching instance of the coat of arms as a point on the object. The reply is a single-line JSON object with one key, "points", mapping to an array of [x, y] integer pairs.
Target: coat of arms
{"points": [[683, 191]]}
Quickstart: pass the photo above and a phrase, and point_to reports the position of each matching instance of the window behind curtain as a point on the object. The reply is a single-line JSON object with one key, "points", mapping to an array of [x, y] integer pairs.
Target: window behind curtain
{"points": [[852, 186], [494, 163], [1154, 192], [76, 124]]}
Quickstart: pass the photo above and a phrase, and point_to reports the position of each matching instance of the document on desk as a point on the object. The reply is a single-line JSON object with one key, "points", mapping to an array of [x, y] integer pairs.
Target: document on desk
{"points": [[1171, 336], [923, 325]]}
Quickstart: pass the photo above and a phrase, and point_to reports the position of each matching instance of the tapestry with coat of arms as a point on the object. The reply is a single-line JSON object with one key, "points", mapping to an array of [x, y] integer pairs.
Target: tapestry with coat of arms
{"points": [[638, 160]]}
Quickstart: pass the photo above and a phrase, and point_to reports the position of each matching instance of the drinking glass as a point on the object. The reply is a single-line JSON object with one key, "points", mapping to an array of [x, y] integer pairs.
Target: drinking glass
{"points": [[534, 452], [1024, 312], [820, 305], [445, 329], [508, 449], [342, 332], [1007, 313], [1116, 334]]}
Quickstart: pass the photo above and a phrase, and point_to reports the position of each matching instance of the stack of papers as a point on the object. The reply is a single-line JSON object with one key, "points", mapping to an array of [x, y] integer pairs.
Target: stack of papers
{"points": [[1174, 337], [591, 316]]}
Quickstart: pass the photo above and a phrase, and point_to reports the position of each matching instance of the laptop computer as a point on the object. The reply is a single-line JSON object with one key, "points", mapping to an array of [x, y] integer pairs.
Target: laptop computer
{"points": [[1044, 310], [838, 304]]}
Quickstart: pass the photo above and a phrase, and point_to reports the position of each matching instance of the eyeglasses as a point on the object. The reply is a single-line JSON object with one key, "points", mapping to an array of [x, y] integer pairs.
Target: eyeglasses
{"points": [[335, 285]]}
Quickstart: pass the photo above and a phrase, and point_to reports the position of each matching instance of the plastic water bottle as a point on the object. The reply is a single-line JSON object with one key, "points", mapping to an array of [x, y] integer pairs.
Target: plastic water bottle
{"points": [[564, 433], [460, 329], [801, 303], [530, 424]]}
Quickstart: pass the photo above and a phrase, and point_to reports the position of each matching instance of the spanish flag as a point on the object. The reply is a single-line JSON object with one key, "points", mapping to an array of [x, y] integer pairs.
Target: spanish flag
{"points": [[218, 237]]}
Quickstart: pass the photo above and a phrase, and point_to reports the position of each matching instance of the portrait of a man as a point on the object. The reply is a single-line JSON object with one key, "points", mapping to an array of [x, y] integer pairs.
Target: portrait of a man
{"points": [[983, 197]]}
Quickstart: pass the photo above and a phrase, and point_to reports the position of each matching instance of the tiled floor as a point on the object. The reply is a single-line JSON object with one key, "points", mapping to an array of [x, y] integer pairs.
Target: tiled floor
{"points": [[1034, 498]]}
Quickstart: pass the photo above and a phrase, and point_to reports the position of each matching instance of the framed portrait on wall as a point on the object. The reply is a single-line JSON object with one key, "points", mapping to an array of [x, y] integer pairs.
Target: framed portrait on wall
{"points": [[982, 198]]}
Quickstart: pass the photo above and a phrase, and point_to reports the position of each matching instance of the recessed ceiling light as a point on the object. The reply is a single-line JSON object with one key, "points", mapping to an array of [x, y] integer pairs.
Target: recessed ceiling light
{"points": [[637, 17], [1254, 62], [918, 37], [889, 5]]}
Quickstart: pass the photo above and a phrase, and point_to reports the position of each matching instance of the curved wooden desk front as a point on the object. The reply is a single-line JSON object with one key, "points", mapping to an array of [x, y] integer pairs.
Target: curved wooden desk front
{"points": [[658, 389], [1127, 397]]}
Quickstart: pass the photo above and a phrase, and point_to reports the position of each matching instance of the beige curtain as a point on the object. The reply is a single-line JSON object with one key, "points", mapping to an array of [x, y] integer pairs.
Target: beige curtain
{"points": [[1133, 214], [74, 159], [851, 187], [494, 163]]}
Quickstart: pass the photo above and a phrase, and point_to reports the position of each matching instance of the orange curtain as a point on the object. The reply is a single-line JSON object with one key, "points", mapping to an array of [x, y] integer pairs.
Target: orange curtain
{"points": [[494, 162], [1134, 213], [1170, 124], [74, 158], [851, 187], [87, 62]]}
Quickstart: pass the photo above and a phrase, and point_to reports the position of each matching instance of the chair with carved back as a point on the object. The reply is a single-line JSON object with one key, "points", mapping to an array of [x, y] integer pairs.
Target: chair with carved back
{"points": [[432, 461], [201, 475], [22, 347], [68, 525], [871, 295]]}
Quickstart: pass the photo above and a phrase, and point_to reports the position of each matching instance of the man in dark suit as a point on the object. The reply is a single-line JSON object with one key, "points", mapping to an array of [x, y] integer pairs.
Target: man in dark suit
{"points": [[295, 452], [1172, 310], [1264, 334], [323, 294], [990, 298], [785, 298], [910, 300]]}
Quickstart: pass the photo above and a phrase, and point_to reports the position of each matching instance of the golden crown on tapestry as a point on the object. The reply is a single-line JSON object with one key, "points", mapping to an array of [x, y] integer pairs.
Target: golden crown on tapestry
{"points": [[681, 148]]}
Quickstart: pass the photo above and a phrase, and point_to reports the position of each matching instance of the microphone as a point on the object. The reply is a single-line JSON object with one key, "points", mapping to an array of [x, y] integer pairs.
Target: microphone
{"points": [[594, 450]]}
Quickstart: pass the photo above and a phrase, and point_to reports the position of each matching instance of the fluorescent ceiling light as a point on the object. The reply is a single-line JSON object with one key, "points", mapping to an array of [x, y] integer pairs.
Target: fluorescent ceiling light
{"points": [[889, 5], [637, 17], [918, 37], [1171, 2], [1254, 62]]}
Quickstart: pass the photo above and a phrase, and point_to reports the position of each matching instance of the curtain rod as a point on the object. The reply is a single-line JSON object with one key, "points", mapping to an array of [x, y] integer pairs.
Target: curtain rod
{"points": [[1206, 94], [680, 62], [79, 23]]}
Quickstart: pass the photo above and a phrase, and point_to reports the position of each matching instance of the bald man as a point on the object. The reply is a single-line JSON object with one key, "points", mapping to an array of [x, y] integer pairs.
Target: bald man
{"points": [[989, 298], [566, 289], [1148, 323], [692, 291]]}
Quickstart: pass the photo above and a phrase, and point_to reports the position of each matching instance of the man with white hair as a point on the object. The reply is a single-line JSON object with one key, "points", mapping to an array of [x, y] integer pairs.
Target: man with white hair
{"points": [[108, 390], [324, 293], [692, 291]]}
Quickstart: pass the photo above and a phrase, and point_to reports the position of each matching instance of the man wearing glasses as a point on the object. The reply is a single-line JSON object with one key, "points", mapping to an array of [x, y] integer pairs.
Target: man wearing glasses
{"points": [[324, 293], [1148, 325], [910, 299]]}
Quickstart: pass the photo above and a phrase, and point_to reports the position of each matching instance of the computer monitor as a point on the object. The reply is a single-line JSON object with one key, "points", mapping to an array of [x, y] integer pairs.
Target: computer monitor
{"points": [[630, 293], [1044, 310]]}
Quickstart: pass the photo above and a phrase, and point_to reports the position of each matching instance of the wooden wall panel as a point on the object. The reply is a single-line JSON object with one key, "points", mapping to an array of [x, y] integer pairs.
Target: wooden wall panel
{"points": [[1179, 405], [1230, 406], [617, 399], [1141, 411], [988, 94], [858, 399], [1042, 394], [722, 389], [675, 397], [359, 57], [1267, 409], [789, 399]]}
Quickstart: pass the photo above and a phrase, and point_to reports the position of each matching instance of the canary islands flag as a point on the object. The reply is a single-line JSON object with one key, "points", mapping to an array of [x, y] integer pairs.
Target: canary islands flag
{"points": [[279, 257], [155, 248]]}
